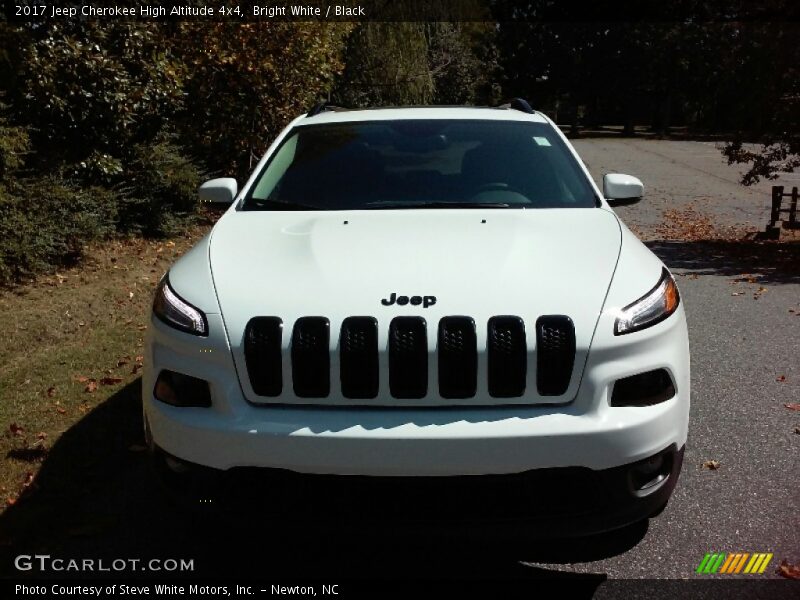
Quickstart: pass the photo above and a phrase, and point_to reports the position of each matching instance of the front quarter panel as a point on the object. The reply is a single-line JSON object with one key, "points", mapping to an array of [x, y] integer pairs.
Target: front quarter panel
{"points": [[664, 345], [191, 279]]}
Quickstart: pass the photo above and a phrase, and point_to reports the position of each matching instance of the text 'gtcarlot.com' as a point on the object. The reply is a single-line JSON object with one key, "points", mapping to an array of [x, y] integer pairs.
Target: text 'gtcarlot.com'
{"points": [[47, 563]]}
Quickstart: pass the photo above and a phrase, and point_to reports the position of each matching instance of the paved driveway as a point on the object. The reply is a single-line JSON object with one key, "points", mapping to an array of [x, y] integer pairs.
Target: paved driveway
{"points": [[742, 345]]}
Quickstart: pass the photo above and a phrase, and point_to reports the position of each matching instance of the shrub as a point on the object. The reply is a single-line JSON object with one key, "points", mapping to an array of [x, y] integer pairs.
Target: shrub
{"points": [[45, 224], [159, 190], [14, 145]]}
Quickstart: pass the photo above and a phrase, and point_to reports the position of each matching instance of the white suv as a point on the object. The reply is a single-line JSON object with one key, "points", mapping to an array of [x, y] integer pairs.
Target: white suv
{"points": [[425, 293]]}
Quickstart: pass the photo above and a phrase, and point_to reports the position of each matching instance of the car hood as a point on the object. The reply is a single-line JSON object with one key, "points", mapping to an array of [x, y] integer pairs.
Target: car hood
{"points": [[475, 262]]}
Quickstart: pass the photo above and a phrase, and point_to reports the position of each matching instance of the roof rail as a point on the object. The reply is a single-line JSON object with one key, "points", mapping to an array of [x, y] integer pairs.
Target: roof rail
{"points": [[519, 104], [321, 107]]}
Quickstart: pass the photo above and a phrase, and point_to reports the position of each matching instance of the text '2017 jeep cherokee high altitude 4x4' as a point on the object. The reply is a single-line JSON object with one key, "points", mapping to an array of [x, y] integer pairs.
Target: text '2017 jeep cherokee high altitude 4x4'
{"points": [[436, 293]]}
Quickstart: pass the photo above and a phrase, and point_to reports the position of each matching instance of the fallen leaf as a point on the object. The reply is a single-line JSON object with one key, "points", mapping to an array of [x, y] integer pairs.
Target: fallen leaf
{"points": [[793, 406], [16, 429], [781, 378], [136, 368], [788, 571], [90, 387], [11, 501], [61, 410], [81, 379], [712, 465], [51, 391], [140, 359]]}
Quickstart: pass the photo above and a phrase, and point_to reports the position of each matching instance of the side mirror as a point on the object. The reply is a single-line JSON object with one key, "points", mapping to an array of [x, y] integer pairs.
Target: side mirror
{"points": [[621, 189], [219, 191]]}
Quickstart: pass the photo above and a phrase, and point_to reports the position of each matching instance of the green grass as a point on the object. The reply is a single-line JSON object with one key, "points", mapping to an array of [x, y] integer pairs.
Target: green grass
{"points": [[60, 333]]}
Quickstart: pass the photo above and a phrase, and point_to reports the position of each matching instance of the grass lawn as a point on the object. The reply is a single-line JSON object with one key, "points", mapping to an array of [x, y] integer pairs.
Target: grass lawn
{"points": [[70, 342]]}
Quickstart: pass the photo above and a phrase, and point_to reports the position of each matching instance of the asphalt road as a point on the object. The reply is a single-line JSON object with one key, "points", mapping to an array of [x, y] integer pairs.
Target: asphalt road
{"points": [[740, 347], [98, 498]]}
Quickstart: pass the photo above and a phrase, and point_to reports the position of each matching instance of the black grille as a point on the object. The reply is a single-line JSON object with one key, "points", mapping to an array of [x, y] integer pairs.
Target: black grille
{"points": [[311, 358], [507, 357], [458, 357], [408, 357], [262, 353], [358, 355], [555, 354]]}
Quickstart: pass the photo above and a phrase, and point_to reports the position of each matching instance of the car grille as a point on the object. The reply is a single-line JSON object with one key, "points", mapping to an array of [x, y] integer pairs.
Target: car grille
{"points": [[359, 357], [408, 359], [555, 354]]}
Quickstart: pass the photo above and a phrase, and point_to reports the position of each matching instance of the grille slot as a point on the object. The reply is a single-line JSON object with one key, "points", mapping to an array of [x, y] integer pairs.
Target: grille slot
{"points": [[555, 354], [358, 357], [311, 358], [458, 357], [507, 363], [408, 357], [262, 353]]}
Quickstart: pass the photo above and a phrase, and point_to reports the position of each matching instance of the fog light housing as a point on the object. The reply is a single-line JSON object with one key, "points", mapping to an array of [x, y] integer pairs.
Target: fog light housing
{"points": [[647, 474], [644, 389], [178, 389]]}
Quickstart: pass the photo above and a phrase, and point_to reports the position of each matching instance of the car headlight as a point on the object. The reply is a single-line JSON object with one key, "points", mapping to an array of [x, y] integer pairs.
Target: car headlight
{"points": [[655, 306], [176, 312]]}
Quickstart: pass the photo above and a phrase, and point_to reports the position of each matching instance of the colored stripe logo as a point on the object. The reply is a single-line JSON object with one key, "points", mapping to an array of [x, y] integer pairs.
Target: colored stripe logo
{"points": [[734, 563]]}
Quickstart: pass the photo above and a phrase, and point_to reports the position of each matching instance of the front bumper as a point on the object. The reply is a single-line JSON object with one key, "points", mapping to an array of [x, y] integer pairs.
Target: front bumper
{"points": [[444, 441], [543, 503]]}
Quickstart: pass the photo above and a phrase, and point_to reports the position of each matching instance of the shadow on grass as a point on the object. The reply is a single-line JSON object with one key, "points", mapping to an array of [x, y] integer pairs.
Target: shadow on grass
{"points": [[96, 497], [768, 262]]}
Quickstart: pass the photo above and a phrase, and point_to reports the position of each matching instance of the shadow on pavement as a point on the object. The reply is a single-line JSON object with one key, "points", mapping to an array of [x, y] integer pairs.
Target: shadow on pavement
{"points": [[96, 497], [768, 262]]}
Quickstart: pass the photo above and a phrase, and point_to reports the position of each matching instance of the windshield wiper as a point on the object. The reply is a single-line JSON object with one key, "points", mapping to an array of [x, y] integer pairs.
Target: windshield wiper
{"points": [[278, 205], [401, 204]]}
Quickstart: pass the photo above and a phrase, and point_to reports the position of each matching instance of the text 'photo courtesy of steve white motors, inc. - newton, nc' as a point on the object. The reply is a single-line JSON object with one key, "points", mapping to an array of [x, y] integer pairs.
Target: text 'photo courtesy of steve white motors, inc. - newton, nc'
{"points": [[171, 590], [288, 10]]}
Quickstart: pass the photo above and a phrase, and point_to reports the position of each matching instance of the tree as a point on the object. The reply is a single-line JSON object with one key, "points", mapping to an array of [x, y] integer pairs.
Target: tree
{"points": [[387, 65], [768, 61], [98, 87], [248, 80]]}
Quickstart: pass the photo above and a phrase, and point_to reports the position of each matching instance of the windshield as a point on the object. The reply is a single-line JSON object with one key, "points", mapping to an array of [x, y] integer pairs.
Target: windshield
{"points": [[421, 164]]}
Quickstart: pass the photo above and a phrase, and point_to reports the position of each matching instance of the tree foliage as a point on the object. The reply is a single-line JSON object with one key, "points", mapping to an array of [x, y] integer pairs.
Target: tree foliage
{"points": [[98, 87], [405, 63], [110, 124], [113, 122], [249, 80]]}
